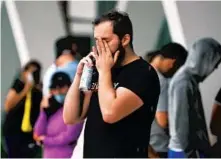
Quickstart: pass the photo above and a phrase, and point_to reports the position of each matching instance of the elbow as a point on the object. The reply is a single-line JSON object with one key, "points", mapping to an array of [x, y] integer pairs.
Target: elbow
{"points": [[163, 124], [109, 118], [69, 120]]}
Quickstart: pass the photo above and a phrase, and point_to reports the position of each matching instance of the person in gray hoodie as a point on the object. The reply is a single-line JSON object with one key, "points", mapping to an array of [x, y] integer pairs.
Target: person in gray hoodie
{"points": [[188, 131]]}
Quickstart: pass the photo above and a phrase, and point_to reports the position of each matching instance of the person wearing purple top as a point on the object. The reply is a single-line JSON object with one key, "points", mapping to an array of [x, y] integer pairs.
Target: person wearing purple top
{"points": [[58, 139]]}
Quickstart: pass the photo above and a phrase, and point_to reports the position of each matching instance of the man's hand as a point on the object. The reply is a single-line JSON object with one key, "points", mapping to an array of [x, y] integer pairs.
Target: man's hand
{"points": [[152, 153], [85, 61], [38, 138], [104, 57]]}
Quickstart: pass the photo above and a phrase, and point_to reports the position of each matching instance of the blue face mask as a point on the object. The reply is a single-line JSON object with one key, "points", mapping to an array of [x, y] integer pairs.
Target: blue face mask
{"points": [[60, 98]]}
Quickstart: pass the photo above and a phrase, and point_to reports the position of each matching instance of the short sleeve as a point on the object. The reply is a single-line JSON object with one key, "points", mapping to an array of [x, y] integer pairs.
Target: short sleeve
{"points": [[17, 85], [163, 98], [218, 98], [142, 81]]}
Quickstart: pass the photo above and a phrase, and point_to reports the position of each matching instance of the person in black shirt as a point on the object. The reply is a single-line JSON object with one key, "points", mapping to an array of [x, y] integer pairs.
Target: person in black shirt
{"points": [[22, 106], [215, 125], [120, 112]]}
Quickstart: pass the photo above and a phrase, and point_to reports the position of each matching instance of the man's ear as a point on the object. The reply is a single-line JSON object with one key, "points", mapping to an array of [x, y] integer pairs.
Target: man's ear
{"points": [[125, 40]]}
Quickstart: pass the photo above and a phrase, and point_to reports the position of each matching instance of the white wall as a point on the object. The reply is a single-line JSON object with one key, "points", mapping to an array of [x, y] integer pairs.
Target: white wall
{"points": [[202, 19], [10, 63], [42, 25], [146, 17], [82, 9]]}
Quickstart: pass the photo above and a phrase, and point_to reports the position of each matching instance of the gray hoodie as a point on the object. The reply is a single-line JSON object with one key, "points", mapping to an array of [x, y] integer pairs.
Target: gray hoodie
{"points": [[188, 129]]}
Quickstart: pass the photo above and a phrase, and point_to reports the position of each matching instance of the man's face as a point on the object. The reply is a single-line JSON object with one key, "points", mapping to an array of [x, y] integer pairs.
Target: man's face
{"points": [[104, 31]]}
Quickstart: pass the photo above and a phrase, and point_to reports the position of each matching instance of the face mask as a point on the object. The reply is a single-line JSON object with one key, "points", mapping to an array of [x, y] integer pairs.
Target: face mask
{"points": [[30, 78], [60, 98]]}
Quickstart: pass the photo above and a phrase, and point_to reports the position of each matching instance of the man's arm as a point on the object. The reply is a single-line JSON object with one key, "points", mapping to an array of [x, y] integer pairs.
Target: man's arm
{"points": [[73, 113], [162, 106], [162, 118], [152, 153], [178, 115], [118, 104], [14, 96]]}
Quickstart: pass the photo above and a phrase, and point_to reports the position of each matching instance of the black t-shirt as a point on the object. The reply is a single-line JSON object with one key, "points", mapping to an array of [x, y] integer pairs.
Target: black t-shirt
{"points": [[13, 120], [218, 97], [131, 134]]}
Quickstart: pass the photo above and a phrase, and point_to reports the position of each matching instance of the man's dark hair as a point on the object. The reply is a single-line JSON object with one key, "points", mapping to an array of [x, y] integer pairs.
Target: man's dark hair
{"points": [[121, 23], [170, 50], [65, 43], [174, 51]]}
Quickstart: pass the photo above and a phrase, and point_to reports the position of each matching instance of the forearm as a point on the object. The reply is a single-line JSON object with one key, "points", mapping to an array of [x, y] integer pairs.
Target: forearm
{"points": [[40, 125], [152, 153], [11, 101], [106, 93], [71, 113], [162, 119]]}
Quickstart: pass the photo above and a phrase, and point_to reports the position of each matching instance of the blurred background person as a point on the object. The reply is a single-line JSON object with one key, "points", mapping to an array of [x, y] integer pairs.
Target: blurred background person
{"points": [[58, 139], [215, 126], [65, 61], [166, 62], [188, 131], [22, 107]]}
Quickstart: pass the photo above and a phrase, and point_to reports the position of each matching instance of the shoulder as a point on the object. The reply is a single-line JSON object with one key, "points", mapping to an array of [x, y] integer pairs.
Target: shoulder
{"points": [[180, 86], [141, 67]]}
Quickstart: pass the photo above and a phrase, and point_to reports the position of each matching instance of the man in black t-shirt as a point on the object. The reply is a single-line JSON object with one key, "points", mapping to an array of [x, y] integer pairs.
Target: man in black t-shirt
{"points": [[121, 108]]}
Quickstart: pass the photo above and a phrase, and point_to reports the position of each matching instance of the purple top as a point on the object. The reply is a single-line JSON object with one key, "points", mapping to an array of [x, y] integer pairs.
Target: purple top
{"points": [[60, 139]]}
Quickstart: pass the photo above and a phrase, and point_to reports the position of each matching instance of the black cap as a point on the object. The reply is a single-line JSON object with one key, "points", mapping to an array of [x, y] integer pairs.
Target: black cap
{"points": [[60, 79]]}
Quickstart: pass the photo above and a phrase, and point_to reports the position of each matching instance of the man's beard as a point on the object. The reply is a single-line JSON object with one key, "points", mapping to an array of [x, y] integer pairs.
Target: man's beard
{"points": [[120, 57]]}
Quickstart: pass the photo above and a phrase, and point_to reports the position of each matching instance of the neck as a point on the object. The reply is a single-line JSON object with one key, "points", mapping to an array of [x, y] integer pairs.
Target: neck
{"points": [[155, 63], [130, 56]]}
